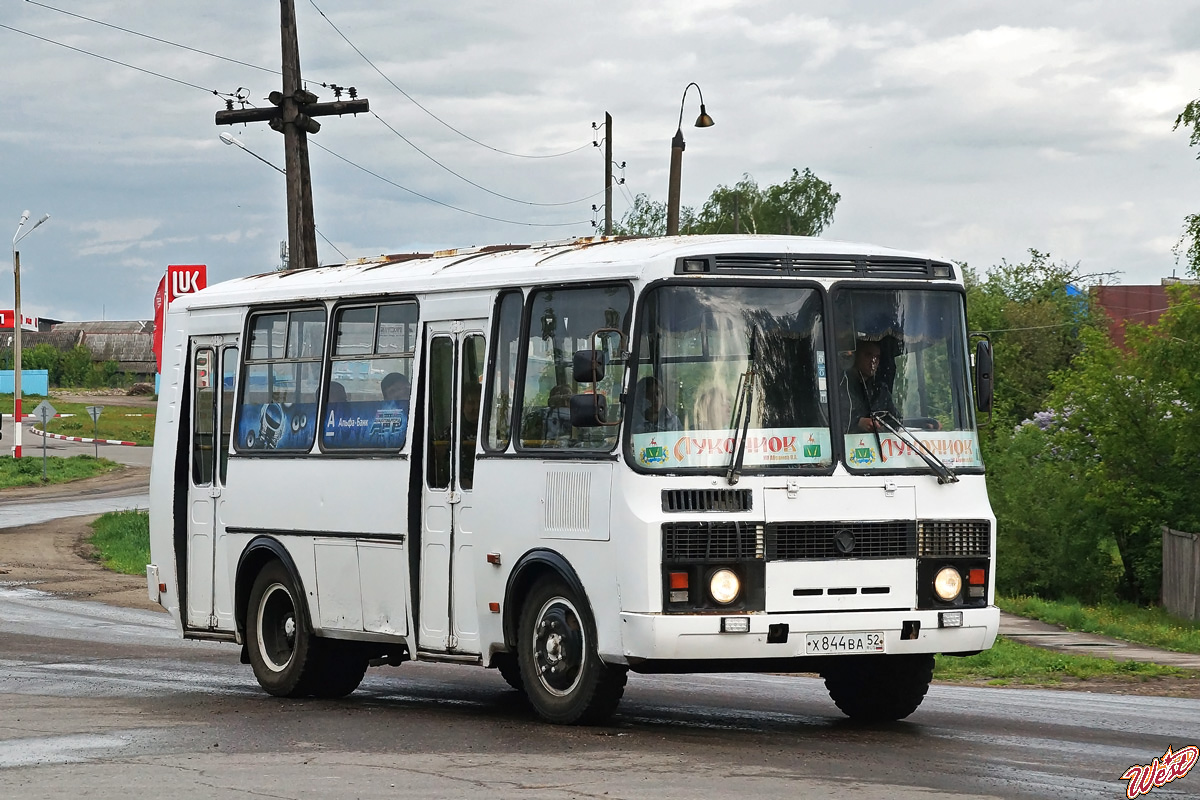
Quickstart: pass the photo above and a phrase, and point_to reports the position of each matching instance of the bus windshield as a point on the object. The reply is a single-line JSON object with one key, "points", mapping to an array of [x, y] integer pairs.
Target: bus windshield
{"points": [[723, 368], [902, 383]]}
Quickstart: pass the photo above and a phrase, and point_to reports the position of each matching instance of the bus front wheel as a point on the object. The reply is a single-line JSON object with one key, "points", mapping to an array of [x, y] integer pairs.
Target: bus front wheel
{"points": [[282, 648], [879, 688], [564, 678]]}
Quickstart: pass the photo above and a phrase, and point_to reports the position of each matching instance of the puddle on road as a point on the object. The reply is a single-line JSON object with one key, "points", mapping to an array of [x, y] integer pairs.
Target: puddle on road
{"points": [[59, 749]]}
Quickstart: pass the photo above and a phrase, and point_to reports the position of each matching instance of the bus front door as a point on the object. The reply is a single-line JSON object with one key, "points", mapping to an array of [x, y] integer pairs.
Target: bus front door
{"points": [[453, 378], [214, 366]]}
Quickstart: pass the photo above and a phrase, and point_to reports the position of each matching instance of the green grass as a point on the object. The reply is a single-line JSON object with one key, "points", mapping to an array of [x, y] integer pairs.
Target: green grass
{"points": [[28, 471], [122, 540], [115, 421], [1010, 663], [1150, 626]]}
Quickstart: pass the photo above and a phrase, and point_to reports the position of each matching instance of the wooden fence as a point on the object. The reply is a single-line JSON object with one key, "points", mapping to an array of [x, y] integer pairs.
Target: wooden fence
{"points": [[1181, 573]]}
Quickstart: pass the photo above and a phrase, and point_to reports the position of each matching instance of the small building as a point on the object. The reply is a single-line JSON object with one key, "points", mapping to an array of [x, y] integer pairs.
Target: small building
{"points": [[129, 343], [1137, 304]]}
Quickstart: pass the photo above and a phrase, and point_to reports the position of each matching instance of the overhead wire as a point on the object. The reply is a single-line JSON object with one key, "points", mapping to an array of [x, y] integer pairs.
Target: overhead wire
{"points": [[415, 102], [119, 63], [336, 155], [238, 62], [413, 145], [447, 205]]}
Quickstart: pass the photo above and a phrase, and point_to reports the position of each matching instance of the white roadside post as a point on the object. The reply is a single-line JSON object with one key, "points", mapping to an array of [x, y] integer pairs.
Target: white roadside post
{"points": [[94, 413], [45, 412]]}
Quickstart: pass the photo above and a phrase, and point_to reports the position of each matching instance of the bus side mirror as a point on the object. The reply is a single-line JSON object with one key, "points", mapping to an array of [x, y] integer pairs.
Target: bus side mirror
{"points": [[588, 366], [589, 411], [983, 376]]}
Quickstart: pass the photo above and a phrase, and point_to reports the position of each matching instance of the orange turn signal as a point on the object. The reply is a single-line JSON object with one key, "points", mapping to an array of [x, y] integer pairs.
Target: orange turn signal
{"points": [[679, 580], [976, 577]]}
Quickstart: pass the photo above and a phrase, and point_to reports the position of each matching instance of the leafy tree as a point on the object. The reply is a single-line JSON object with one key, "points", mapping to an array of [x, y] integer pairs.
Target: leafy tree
{"points": [[1189, 243], [1034, 322], [802, 205]]}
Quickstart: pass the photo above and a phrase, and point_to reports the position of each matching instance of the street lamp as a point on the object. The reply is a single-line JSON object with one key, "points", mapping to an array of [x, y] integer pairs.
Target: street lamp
{"points": [[677, 146], [17, 237], [227, 139]]}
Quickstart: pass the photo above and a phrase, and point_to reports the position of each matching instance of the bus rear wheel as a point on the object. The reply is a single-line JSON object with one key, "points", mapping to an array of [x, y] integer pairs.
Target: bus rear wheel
{"points": [[879, 688], [283, 651], [564, 678]]}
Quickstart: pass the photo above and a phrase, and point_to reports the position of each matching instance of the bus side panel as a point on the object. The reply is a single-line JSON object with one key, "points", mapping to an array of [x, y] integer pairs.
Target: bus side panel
{"points": [[527, 504], [295, 499]]}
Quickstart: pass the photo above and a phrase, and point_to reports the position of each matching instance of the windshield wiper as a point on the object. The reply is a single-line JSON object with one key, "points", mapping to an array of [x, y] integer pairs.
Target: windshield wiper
{"points": [[944, 473], [741, 422]]}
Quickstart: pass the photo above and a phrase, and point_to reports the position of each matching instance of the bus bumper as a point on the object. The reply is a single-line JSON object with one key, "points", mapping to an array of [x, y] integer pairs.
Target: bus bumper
{"points": [[701, 636]]}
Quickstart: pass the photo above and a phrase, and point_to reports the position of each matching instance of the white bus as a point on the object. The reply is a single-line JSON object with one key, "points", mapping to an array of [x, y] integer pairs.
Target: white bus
{"points": [[568, 461]]}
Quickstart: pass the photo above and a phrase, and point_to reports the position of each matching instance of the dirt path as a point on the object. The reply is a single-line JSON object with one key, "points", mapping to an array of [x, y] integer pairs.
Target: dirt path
{"points": [[56, 557]]}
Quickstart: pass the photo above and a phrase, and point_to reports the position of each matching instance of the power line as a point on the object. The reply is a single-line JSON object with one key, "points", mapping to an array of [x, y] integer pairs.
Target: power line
{"points": [[448, 205], [155, 38], [410, 143], [119, 63], [413, 100]]}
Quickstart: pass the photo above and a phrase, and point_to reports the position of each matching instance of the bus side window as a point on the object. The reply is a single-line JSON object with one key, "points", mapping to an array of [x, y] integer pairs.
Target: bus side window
{"points": [[506, 343], [561, 321], [281, 380]]}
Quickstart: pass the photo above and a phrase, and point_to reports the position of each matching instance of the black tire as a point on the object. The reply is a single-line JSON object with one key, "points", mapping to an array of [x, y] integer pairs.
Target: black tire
{"points": [[879, 688], [510, 670], [340, 668], [564, 678], [283, 651]]}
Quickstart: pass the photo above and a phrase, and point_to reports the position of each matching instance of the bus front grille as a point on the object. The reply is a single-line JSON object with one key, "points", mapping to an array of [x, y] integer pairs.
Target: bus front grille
{"points": [[816, 541], [950, 537], [711, 541], [674, 500]]}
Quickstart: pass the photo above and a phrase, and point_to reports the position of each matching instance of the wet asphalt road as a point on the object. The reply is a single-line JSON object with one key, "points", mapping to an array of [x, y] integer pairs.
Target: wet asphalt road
{"points": [[106, 702]]}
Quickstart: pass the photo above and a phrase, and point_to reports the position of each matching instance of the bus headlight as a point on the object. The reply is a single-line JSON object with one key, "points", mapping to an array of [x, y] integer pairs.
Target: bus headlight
{"points": [[724, 586], [947, 583]]}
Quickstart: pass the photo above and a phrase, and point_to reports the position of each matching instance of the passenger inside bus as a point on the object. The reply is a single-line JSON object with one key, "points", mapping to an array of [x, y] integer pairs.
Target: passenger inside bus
{"points": [[395, 387], [652, 414], [337, 392], [865, 391]]}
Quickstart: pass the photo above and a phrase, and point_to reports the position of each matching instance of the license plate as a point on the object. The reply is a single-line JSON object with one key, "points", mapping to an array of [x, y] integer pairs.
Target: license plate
{"points": [[820, 644]]}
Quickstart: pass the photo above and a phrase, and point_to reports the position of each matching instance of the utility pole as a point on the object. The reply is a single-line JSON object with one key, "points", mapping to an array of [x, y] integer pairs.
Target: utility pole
{"points": [[608, 165], [292, 116]]}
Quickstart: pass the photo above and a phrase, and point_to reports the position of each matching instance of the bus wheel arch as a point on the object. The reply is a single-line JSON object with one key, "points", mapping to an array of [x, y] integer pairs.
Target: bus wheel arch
{"points": [[552, 631], [256, 555], [533, 567]]}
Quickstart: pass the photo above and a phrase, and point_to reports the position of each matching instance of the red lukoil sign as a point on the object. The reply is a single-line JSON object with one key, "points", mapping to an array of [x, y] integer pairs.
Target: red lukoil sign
{"points": [[180, 279]]}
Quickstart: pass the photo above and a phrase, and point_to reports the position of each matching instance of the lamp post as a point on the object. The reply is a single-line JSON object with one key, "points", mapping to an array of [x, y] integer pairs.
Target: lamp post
{"points": [[677, 146], [227, 139], [17, 237]]}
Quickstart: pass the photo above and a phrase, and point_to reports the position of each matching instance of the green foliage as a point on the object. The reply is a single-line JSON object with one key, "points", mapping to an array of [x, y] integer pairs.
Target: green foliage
{"points": [[1083, 487], [1152, 626], [1013, 663], [73, 367], [122, 538], [1189, 243], [802, 205], [1034, 326], [28, 471]]}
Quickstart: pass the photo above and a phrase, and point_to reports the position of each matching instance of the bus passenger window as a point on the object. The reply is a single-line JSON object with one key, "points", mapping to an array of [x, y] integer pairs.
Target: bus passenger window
{"points": [[281, 381], [468, 424], [370, 385], [497, 425]]}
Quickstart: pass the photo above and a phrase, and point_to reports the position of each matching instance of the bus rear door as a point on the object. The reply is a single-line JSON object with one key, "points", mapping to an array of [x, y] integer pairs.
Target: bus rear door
{"points": [[214, 367]]}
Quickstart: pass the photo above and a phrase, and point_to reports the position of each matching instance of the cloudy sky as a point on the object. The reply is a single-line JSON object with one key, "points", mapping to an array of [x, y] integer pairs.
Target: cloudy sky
{"points": [[971, 130]]}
